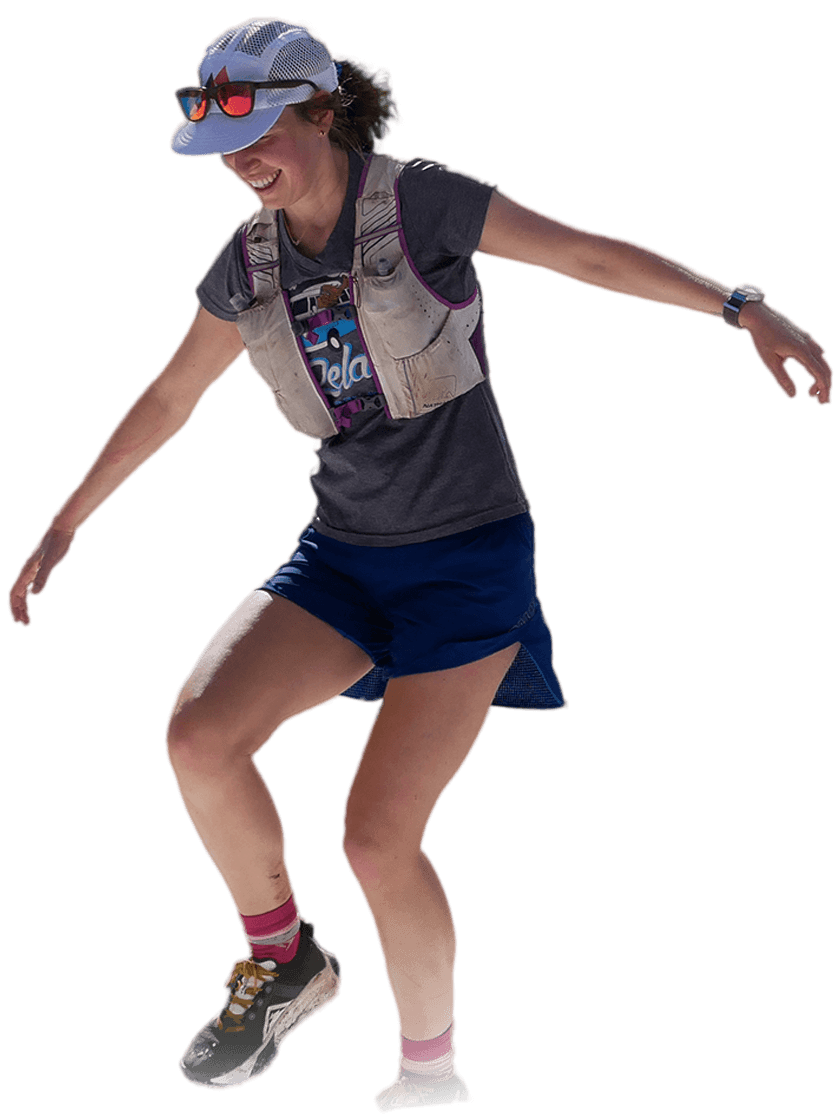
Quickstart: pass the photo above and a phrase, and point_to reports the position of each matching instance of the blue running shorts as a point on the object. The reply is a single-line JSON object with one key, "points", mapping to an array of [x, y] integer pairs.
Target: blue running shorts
{"points": [[429, 606]]}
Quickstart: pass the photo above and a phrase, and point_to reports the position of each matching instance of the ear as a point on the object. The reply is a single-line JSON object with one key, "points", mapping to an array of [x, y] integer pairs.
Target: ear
{"points": [[321, 116]]}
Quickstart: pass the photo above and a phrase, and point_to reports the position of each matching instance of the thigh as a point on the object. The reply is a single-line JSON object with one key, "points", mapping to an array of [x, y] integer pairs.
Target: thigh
{"points": [[271, 660], [424, 731]]}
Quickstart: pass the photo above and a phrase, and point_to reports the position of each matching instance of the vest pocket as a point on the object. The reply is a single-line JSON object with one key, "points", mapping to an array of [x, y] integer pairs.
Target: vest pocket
{"points": [[275, 354], [407, 317], [446, 368]]}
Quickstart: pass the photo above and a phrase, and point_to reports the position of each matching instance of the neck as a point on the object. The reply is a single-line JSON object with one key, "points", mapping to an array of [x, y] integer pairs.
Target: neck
{"points": [[311, 219]]}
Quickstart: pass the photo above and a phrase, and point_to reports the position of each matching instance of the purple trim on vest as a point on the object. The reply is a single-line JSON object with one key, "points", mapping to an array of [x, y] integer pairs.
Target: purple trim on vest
{"points": [[377, 233], [363, 179], [246, 259], [288, 305], [410, 262], [260, 267], [477, 343], [371, 365], [355, 283]]}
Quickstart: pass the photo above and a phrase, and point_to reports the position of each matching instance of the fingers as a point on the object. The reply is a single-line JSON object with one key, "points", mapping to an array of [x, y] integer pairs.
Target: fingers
{"points": [[776, 365], [821, 388], [778, 369], [19, 610], [37, 569], [43, 572], [820, 392], [810, 356], [821, 373], [17, 598], [777, 340]]}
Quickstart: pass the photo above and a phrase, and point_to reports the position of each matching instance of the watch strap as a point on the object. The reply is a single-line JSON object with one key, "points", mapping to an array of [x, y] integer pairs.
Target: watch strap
{"points": [[732, 308]]}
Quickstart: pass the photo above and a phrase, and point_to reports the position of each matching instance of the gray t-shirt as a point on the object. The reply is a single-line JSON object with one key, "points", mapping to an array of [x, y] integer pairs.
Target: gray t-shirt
{"points": [[385, 482]]}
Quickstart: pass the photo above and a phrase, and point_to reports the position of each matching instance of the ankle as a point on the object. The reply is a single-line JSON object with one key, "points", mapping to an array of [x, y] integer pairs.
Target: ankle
{"points": [[274, 934], [430, 1059]]}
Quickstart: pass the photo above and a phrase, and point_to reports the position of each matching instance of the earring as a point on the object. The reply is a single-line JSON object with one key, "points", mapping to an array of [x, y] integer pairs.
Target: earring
{"points": [[322, 133]]}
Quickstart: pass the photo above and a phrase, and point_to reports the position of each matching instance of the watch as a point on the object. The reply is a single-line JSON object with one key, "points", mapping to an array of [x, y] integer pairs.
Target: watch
{"points": [[741, 295]]}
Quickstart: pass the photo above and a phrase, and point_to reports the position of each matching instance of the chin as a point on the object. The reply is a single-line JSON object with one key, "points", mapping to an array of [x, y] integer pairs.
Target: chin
{"points": [[272, 199]]}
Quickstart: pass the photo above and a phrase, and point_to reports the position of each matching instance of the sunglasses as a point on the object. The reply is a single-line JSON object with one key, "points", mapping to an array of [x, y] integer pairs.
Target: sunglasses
{"points": [[234, 98]]}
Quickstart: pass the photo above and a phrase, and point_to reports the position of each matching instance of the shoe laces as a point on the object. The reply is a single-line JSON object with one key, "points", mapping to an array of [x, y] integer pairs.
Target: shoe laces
{"points": [[245, 982]]}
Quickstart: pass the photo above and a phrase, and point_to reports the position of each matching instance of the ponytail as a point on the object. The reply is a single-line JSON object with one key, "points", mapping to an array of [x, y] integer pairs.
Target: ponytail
{"points": [[362, 109]]}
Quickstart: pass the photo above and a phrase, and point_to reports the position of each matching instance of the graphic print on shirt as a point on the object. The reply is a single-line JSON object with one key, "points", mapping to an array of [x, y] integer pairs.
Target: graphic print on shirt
{"points": [[326, 318]]}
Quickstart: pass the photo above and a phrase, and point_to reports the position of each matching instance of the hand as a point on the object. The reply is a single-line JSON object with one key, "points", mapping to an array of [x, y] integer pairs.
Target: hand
{"points": [[776, 339], [37, 569]]}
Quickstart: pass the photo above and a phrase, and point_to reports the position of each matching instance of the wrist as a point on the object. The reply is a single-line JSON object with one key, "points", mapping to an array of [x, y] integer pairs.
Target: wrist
{"points": [[750, 314], [740, 298], [63, 523]]}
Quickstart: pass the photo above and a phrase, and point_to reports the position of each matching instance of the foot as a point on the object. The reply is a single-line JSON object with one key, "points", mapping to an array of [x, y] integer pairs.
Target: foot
{"points": [[408, 1091], [266, 1001]]}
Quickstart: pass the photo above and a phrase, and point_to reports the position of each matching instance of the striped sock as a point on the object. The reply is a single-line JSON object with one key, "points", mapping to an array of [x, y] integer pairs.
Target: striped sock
{"points": [[429, 1059], [274, 934]]}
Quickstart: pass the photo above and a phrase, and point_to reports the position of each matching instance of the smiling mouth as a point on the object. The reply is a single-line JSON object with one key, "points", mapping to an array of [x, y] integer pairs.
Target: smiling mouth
{"points": [[263, 183]]}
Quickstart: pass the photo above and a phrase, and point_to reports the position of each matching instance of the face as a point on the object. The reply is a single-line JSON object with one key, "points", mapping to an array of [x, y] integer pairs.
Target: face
{"points": [[282, 166]]}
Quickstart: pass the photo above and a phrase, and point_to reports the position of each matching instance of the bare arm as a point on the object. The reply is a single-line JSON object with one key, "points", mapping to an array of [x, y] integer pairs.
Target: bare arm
{"points": [[209, 348], [520, 234]]}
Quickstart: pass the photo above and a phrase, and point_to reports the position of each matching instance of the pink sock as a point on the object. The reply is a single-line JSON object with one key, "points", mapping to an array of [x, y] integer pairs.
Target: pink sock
{"points": [[274, 934], [428, 1058]]}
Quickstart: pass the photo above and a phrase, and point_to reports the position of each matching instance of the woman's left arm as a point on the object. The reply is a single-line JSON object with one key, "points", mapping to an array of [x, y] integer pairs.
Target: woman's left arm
{"points": [[517, 233]]}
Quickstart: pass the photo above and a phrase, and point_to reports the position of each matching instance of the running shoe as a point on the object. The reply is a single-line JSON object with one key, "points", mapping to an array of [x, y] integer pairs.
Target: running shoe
{"points": [[408, 1092], [266, 1001]]}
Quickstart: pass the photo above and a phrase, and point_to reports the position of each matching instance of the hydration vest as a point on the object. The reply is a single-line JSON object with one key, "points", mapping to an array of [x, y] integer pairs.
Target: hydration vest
{"points": [[417, 343]]}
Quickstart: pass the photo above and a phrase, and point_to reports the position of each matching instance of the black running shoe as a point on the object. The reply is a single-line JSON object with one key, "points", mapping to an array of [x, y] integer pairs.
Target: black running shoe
{"points": [[266, 1001], [404, 1095]]}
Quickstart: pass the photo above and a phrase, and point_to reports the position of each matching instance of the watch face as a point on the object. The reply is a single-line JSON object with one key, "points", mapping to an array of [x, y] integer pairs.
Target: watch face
{"points": [[751, 294]]}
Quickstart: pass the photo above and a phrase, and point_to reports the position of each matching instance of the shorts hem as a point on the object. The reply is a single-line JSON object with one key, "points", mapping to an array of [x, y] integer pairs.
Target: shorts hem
{"points": [[328, 620], [444, 605], [455, 660]]}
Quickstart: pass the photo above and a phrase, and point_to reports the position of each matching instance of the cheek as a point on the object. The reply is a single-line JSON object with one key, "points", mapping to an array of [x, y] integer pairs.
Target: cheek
{"points": [[228, 165]]}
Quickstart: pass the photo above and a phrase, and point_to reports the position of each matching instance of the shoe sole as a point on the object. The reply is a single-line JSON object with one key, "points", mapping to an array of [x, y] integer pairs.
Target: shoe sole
{"points": [[320, 989], [457, 1093]]}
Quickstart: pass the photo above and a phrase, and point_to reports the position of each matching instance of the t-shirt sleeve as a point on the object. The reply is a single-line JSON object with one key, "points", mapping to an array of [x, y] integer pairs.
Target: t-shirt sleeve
{"points": [[442, 209], [443, 216], [224, 291]]}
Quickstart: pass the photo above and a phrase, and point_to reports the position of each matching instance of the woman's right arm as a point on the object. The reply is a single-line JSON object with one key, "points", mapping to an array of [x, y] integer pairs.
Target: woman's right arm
{"points": [[209, 348]]}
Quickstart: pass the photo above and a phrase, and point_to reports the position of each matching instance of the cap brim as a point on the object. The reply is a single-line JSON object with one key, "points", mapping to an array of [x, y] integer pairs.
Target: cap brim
{"points": [[218, 134]]}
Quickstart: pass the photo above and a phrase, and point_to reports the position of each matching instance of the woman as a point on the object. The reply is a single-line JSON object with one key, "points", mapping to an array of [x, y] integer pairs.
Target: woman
{"points": [[354, 293]]}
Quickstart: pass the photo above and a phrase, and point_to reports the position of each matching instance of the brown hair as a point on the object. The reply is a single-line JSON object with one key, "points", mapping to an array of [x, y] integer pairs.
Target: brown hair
{"points": [[362, 109]]}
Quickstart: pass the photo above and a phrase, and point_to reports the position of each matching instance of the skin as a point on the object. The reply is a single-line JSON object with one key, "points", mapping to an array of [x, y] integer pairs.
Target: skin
{"points": [[520, 234], [232, 702], [311, 176]]}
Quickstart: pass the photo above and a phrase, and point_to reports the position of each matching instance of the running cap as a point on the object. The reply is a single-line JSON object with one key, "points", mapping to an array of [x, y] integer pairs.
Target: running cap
{"points": [[259, 50]]}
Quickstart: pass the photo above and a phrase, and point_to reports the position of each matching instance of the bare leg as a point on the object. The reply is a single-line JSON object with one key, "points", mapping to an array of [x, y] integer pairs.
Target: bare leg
{"points": [[424, 731], [270, 661]]}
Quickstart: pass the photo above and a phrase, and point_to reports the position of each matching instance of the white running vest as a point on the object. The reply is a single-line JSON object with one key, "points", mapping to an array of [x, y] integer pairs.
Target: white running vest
{"points": [[417, 344]]}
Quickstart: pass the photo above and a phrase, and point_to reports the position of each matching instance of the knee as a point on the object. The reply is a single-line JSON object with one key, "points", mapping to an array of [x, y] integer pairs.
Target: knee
{"points": [[376, 849], [367, 860], [185, 740], [196, 744]]}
